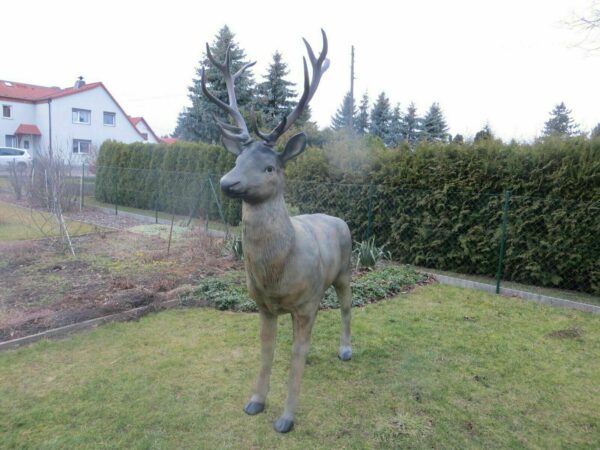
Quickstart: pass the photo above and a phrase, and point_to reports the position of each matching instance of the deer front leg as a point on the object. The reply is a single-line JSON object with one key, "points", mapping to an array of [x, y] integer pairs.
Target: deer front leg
{"points": [[268, 332], [302, 325]]}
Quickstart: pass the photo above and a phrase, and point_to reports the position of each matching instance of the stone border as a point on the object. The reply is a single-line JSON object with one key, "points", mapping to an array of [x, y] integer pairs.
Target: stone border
{"points": [[530, 296], [131, 314]]}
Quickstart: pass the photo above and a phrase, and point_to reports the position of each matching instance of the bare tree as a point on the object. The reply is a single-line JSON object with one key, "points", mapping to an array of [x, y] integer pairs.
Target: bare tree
{"points": [[588, 24]]}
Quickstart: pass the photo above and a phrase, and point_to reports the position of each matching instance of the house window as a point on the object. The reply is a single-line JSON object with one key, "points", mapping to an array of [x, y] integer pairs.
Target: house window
{"points": [[110, 119], [10, 140], [83, 116], [7, 111], [81, 146], [145, 136]]}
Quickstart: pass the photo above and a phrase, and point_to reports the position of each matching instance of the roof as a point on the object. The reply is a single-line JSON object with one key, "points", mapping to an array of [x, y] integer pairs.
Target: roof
{"points": [[136, 120], [26, 128], [33, 93], [22, 91], [168, 140]]}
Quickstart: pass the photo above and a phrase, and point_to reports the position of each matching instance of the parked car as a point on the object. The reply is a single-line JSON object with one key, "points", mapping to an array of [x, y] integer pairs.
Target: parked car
{"points": [[18, 156]]}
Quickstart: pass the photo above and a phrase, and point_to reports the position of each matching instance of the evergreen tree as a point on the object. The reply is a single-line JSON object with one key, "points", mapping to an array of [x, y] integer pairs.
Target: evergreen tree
{"points": [[458, 139], [361, 123], [395, 134], [560, 123], [434, 125], [344, 117], [381, 118], [411, 125], [595, 132], [484, 134], [275, 93], [196, 123]]}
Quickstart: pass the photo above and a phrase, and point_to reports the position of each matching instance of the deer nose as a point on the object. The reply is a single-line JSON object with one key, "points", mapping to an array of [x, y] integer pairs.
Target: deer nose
{"points": [[227, 186]]}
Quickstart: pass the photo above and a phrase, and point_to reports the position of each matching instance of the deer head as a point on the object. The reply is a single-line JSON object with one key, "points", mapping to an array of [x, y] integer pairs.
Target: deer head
{"points": [[258, 172]]}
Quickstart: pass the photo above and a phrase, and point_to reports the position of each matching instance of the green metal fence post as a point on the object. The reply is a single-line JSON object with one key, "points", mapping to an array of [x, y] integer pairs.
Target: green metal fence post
{"points": [[370, 213], [116, 183], [502, 244], [219, 206], [81, 187]]}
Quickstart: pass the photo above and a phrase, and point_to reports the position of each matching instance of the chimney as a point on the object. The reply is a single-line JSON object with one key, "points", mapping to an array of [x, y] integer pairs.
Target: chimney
{"points": [[80, 82]]}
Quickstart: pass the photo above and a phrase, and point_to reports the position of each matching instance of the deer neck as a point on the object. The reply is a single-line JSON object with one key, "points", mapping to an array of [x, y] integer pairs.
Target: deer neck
{"points": [[268, 237]]}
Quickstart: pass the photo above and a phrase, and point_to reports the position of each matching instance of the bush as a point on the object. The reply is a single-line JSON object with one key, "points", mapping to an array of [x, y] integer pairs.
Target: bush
{"points": [[172, 178]]}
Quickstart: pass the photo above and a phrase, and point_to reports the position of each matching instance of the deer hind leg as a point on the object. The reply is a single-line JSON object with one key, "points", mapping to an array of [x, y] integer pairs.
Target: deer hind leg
{"points": [[268, 332], [344, 295], [302, 325]]}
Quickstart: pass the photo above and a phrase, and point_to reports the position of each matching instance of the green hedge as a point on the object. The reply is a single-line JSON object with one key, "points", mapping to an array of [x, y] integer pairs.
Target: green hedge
{"points": [[172, 178], [441, 206], [438, 206]]}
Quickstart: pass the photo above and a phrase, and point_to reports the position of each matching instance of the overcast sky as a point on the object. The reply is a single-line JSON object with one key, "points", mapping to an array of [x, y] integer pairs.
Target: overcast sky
{"points": [[507, 63]]}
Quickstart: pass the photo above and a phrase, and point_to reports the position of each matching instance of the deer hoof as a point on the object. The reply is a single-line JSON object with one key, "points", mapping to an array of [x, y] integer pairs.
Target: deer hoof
{"points": [[345, 353], [282, 425], [253, 408]]}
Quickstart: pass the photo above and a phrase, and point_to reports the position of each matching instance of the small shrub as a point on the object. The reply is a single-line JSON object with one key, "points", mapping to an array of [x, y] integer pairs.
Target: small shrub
{"points": [[367, 254], [229, 292]]}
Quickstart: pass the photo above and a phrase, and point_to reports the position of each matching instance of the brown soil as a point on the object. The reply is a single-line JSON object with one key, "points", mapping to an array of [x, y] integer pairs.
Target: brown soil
{"points": [[41, 288]]}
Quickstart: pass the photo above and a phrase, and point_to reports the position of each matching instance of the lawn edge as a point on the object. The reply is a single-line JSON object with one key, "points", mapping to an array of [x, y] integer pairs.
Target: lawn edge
{"points": [[509, 292]]}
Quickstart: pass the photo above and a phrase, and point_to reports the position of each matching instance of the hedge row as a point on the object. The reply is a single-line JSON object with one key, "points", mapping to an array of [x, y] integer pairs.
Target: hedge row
{"points": [[173, 178], [438, 206], [441, 206]]}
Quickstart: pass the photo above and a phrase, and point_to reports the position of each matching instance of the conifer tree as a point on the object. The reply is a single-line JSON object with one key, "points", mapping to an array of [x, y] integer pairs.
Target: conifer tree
{"points": [[595, 131], [380, 118], [275, 94], [361, 122], [560, 123], [411, 125], [395, 134], [484, 134], [434, 126], [196, 122], [344, 116]]}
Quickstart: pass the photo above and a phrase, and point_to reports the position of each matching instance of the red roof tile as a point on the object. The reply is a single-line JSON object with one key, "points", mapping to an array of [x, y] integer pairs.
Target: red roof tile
{"points": [[33, 93], [168, 140], [22, 91], [135, 120], [26, 128]]}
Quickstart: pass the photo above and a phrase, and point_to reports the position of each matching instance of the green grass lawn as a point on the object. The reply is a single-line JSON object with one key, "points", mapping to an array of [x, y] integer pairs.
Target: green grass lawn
{"points": [[18, 223], [441, 367]]}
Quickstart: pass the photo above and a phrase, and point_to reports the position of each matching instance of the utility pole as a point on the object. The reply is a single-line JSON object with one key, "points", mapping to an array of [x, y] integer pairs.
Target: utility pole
{"points": [[352, 84]]}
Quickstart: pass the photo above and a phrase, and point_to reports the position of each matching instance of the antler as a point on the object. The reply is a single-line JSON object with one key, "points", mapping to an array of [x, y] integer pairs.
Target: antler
{"points": [[239, 131], [319, 66]]}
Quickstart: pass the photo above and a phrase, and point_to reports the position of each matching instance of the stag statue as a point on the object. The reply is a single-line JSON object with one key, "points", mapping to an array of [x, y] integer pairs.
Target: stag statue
{"points": [[290, 261]]}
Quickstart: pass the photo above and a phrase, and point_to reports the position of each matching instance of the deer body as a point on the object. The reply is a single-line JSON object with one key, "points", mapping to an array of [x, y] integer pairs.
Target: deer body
{"points": [[290, 261]]}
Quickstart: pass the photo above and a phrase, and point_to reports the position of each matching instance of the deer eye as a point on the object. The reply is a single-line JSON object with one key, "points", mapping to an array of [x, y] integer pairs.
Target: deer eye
{"points": [[269, 169]]}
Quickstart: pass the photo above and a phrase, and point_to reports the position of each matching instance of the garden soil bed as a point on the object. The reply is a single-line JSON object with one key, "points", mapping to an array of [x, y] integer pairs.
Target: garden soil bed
{"points": [[42, 287]]}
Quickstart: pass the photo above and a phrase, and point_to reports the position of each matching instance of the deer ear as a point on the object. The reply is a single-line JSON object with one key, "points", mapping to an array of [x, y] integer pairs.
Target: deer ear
{"points": [[232, 145], [294, 147]]}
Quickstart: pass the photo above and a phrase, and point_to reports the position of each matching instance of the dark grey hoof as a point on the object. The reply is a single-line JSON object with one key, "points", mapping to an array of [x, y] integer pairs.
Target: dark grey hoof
{"points": [[253, 408], [283, 425], [345, 355]]}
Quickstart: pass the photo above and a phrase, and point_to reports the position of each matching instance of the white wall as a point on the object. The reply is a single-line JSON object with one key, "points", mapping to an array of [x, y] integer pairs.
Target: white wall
{"points": [[21, 113], [97, 101]]}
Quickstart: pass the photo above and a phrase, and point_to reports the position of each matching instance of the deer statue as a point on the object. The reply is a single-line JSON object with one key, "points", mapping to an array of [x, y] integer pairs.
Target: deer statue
{"points": [[289, 261]]}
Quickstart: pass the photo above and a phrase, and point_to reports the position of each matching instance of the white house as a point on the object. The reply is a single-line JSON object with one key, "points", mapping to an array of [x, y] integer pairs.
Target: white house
{"points": [[69, 121]]}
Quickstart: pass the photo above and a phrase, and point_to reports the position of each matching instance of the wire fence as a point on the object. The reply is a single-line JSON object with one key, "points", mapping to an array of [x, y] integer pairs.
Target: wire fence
{"points": [[497, 238]]}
